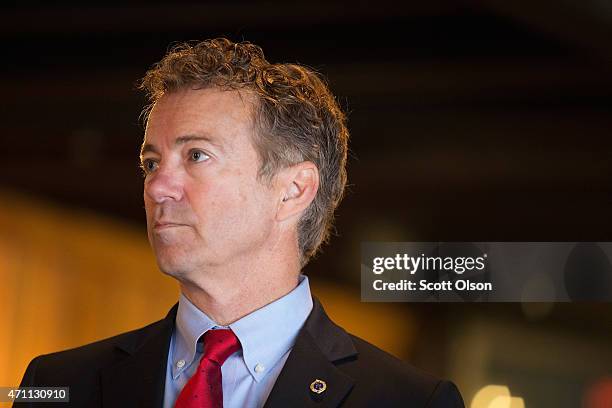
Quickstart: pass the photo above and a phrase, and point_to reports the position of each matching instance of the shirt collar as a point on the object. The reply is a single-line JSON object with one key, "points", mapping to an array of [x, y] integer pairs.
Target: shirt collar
{"points": [[191, 324], [265, 334]]}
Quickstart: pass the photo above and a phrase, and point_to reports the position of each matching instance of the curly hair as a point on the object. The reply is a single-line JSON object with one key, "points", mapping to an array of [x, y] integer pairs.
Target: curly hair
{"points": [[296, 118]]}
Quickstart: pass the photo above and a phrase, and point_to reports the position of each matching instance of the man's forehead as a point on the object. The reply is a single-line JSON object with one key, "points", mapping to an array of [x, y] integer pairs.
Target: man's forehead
{"points": [[207, 115]]}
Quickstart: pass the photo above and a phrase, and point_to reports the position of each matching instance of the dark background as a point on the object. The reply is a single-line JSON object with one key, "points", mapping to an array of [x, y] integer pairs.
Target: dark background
{"points": [[470, 120]]}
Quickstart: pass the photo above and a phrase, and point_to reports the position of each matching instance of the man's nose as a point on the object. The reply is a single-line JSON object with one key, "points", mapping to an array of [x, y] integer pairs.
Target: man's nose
{"points": [[163, 185]]}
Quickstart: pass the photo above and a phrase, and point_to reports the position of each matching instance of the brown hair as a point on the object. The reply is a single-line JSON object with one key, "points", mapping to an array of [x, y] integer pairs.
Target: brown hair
{"points": [[296, 117]]}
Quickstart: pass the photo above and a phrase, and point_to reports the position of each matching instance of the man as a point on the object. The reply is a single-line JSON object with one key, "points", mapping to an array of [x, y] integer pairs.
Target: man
{"points": [[244, 165]]}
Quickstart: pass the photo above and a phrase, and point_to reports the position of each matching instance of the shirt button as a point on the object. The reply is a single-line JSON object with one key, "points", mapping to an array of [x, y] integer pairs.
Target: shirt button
{"points": [[180, 363], [259, 368]]}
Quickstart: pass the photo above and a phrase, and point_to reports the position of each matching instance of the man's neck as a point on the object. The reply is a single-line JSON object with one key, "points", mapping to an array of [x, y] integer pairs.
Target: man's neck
{"points": [[228, 295]]}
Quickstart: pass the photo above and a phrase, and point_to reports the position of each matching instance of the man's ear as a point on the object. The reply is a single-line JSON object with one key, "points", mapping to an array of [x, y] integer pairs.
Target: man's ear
{"points": [[298, 186]]}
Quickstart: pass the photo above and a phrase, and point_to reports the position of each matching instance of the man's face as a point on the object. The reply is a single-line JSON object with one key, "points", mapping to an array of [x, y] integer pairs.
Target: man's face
{"points": [[205, 206]]}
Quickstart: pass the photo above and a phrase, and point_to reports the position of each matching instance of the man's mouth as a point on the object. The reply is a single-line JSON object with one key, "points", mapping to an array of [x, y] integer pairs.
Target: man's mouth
{"points": [[160, 225]]}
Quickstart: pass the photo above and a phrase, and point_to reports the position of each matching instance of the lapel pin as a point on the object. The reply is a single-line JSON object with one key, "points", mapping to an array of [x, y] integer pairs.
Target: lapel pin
{"points": [[318, 386]]}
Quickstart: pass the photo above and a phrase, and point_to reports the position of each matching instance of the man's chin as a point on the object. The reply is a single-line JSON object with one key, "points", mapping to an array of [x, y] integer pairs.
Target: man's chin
{"points": [[173, 264]]}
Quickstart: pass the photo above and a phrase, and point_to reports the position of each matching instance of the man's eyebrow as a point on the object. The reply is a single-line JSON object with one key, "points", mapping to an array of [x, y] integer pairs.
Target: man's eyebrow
{"points": [[191, 138], [147, 147]]}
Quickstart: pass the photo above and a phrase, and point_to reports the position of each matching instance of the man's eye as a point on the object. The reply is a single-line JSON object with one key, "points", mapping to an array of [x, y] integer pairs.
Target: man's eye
{"points": [[148, 166], [198, 156]]}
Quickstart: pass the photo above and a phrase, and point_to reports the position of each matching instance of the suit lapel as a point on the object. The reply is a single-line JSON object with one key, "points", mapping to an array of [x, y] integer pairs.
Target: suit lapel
{"points": [[138, 379], [318, 346]]}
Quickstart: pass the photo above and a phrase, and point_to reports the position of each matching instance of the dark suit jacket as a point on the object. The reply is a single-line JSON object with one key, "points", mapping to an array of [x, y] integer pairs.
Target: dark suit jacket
{"points": [[129, 370]]}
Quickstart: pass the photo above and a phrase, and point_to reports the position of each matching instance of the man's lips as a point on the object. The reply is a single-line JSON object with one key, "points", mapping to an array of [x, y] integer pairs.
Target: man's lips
{"points": [[167, 224]]}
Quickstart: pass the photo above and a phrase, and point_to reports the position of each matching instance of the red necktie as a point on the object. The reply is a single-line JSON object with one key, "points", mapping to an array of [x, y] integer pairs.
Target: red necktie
{"points": [[204, 389]]}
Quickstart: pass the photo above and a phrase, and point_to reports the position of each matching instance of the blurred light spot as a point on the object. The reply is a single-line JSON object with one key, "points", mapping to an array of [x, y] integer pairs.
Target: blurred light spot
{"points": [[510, 402], [517, 402], [599, 394], [538, 287], [588, 273], [491, 394], [536, 310], [496, 396]]}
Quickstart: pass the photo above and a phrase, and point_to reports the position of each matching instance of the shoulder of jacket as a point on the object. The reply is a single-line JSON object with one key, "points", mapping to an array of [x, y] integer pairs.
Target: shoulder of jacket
{"points": [[385, 378], [100, 348]]}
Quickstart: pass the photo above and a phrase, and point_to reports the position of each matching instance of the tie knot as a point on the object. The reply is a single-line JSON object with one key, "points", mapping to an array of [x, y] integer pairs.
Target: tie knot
{"points": [[220, 344]]}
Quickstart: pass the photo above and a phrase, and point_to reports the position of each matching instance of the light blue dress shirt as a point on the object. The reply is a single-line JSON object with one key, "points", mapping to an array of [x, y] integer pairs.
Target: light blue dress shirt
{"points": [[266, 335]]}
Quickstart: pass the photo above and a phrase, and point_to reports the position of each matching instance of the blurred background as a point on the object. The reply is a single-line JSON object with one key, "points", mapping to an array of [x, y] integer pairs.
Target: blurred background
{"points": [[470, 121]]}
